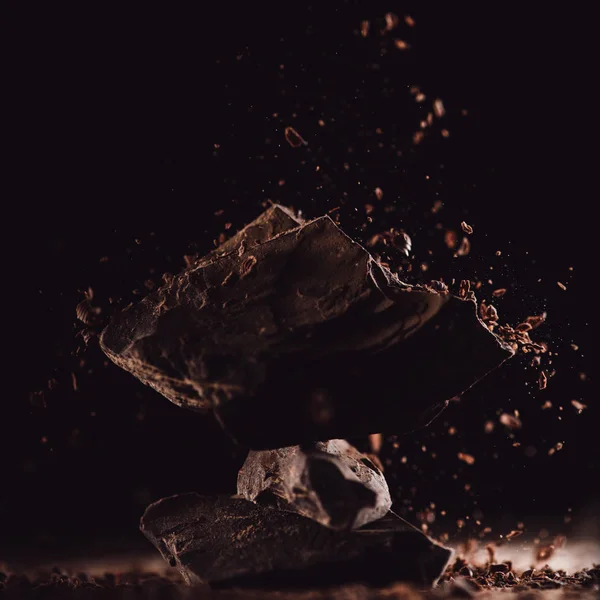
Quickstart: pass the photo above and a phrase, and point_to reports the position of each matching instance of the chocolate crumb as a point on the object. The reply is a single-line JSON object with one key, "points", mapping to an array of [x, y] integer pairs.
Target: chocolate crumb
{"points": [[466, 228], [293, 138], [466, 458]]}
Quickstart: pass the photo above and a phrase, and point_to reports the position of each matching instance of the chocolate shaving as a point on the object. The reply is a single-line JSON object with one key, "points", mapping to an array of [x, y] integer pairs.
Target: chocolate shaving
{"points": [[466, 228], [293, 138]]}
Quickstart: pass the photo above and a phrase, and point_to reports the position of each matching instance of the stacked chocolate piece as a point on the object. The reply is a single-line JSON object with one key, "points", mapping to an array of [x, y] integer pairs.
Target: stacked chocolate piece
{"points": [[293, 336]]}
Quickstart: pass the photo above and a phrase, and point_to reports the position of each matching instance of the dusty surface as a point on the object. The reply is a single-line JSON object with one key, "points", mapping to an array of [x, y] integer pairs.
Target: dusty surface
{"points": [[539, 585]]}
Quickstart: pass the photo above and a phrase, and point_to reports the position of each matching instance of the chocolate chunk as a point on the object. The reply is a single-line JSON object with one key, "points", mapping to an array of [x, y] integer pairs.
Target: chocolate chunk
{"points": [[232, 542], [303, 336], [331, 482]]}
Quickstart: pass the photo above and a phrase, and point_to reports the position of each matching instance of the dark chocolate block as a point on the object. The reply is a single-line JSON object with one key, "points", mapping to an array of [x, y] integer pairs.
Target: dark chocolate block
{"points": [[303, 336], [330, 482], [231, 542]]}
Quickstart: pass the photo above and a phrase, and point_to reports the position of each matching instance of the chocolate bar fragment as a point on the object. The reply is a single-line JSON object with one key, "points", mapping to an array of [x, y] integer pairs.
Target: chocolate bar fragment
{"points": [[294, 333], [329, 482], [230, 542]]}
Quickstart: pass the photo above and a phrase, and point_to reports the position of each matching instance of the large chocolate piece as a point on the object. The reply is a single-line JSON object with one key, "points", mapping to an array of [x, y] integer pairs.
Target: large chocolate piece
{"points": [[297, 334], [330, 482], [232, 542]]}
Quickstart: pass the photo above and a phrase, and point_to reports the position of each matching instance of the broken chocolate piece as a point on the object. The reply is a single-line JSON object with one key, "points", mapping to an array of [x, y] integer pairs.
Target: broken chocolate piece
{"points": [[331, 483], [230, 542], [303, 336]]}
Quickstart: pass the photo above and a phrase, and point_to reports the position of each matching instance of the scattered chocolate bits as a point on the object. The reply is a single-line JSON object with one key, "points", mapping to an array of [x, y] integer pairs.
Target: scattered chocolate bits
{"points": [[543, 380]]}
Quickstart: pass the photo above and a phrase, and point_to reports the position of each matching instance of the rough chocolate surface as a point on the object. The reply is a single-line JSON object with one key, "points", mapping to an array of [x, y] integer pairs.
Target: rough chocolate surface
{"points": [[293, 332], [232, 542], [331, 482]]}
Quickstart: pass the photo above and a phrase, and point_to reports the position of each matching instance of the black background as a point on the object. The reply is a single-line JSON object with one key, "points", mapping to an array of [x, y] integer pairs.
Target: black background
{"points": [[129, 128]]}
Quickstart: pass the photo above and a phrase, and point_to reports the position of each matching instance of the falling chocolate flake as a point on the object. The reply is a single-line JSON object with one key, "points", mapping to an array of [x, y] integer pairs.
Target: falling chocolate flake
{"points": [[450, 238], [513, 534], [391, 21], [409, 20], [329, 482], [466, 228], [438, 108], [543, 380], [499, 292], [466, 458], [562, 286], [87, 313], [578, 405], [230, 542], [401, 44], [364, 28], [510, 421], [378, 193], [464, 248], [544, 553], [418, 137], [316, 315], [293, 138]]}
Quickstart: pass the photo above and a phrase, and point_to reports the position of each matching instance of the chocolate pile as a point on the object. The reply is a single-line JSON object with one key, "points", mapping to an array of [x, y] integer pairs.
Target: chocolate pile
{"points": [[293, 336]]}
